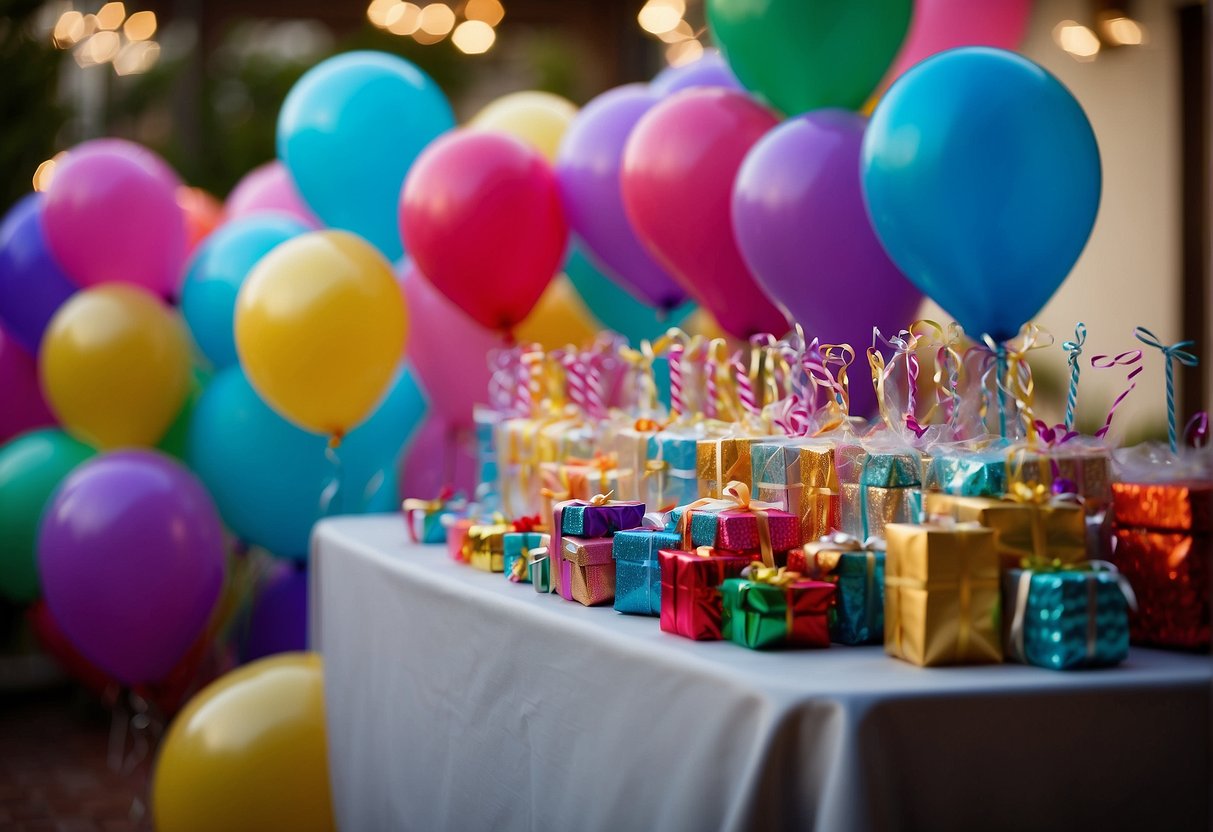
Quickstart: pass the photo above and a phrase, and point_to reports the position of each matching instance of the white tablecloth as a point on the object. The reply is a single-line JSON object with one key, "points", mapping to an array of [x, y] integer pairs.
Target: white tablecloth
{"points": [[459, 701]]}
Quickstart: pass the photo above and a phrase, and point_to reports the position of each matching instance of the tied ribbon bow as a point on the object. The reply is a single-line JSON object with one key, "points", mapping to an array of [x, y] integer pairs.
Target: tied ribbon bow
{"points": [[602, 463], [735, 497], [528, 524], [1171, 354], [1023, 589], [770, 575], [600, 499], [646, 425]]}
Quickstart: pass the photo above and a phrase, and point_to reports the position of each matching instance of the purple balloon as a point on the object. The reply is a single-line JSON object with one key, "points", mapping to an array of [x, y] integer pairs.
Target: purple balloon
{"points": [[800, 221], [32, 285], [131, 557], [278, 620], [22, 407], [587, 168], [707, 71]]}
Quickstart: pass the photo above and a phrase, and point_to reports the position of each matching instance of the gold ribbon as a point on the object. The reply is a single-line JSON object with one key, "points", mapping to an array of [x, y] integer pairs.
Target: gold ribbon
{"points": [[778, 576], [839, 400], [602, 463], [735, 497]]}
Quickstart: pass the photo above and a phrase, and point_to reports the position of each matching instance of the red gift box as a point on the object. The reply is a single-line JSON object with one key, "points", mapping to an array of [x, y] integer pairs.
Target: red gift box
{"points": [[690, 590]]}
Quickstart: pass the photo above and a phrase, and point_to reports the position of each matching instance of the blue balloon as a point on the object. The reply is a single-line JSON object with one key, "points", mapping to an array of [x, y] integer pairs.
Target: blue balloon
{"points": [[216, 272], [349, 131], [982, 178], [614, 306], [32, 285], [267, 476]]}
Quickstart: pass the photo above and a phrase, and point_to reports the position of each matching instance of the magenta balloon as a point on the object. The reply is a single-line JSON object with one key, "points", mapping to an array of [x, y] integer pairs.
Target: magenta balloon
{"points": [[439, 455], [710, 70], [678, 171], [946, 24], [268, 188], [587, 168], [802, 227], [131, 557], [22, 407], [442, 337], [111, 216]]}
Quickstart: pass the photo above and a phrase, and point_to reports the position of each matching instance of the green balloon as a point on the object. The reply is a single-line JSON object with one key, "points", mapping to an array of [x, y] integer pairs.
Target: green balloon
{"points": [[31, 468], [802, 55], [175, 441]]}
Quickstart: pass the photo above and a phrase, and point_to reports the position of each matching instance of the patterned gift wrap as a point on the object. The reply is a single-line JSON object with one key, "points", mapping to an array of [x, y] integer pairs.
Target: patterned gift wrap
{"points": [[1066, 619], [1163, 545], [857, 616], [877, 488], [669, 477], [721, 461], [484, 546], [1087, 470], [518, 549], [799, 476], [774, 608], [587, 570], [1044, 532], [942, 595], [690, 590], [638, 570]]}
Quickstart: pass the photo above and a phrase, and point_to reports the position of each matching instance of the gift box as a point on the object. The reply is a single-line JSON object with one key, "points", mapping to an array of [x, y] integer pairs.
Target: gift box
{"points": [[638, 570], [1054, 530], [877, 488], [1066, 619], [1163, 544], [631, 448], [540, 569], [1087, 470], [690, 590], [597, 519], [587, 570], [737, 530], [484, 546], [857, 616], [423, 519], [942, 595], [967, 473], [518, 549], [775, 608], [457, 538], [669, 477], [518, 465], [800, 476], [722, 460], [561, 439], [485, 423]]}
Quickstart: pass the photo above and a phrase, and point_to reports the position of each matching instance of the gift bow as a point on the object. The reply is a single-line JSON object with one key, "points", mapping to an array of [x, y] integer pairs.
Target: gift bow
{"points": [[735, 497], [825, 552], [530, 523], [772, 576], [1023, 588]]}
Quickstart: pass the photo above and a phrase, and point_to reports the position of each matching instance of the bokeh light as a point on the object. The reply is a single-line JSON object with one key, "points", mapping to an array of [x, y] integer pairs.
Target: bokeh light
{"points": [[110, 16], [659, 16], [486, 11], [140, 26], [473, 37]]}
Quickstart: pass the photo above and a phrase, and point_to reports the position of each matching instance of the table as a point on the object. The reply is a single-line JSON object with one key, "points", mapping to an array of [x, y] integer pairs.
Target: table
{"points": [[459, 701]]}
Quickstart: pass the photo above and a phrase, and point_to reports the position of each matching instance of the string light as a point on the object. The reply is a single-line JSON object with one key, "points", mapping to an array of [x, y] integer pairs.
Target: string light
{"points": [[473, 37], [408, 20], [110, 16], [659, 16], [1076, 39], [486, 11]]}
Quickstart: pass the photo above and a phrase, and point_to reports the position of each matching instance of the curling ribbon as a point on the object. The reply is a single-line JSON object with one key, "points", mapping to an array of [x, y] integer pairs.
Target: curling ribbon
{"points": [[1073, 352], [1196, 432], [1007, 363], [1172, 353], [839, 402], [1129, 358]]}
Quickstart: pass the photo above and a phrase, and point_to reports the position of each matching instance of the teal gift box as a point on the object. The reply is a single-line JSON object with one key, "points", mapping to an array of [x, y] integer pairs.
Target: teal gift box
{"points": [[972, 474], [857, 616], [672, 461], [638, 569], [1067, 619], [878, 488], [517, 551]]}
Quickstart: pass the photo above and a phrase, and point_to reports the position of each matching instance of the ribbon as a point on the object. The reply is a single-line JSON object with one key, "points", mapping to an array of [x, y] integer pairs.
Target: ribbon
{"points": [[1171, 354], [1007, 366], [735, 497], [1196, 432], [413, 507], [778, 576], [602, 463], [1023, 589], [1053, 436], [1130, 358], [1073, 353]]}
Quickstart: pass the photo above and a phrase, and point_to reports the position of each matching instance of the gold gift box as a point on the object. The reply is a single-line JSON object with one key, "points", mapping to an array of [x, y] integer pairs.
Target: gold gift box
{"points": [[631, 447], [819, 492], [942, 595], [885, 506], [720, 461], [485, 546], [1089, 470], [1034, 531]]}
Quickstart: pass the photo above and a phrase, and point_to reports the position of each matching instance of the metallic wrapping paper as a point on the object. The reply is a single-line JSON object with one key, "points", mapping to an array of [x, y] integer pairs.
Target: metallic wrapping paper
{"points": [[883, 506], [587, 570], [1170, 573], [586, 520], [484, 546], [457, 539], [638, 570], [980, 474], [631, 448], [540, 573], [1035, 532], [892, 469], [737, 531], [720, 461], [1065, 620], [516, 553], [759, 616], [857, 616], [669, 474], [1089, 470], [1180, 506], [690, 591], [942, 595], [801, 477]]}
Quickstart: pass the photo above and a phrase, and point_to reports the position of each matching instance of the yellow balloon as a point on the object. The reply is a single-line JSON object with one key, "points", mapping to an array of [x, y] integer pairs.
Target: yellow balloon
{"points": [[249, 752], [559, 318], [115, 366], [537, 118], [320, 328]]}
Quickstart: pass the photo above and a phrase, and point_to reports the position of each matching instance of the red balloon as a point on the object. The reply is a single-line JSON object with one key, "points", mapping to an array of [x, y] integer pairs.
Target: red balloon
{"points": [[480, 214], [677, 178], [202, 213]]}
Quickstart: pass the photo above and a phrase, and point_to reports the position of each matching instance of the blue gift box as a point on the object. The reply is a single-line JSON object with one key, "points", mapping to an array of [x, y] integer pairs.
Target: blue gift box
{"points": [[858, 613], [516, 550], [637, 569], [1066, 619], [676, 481], [980, 474]]}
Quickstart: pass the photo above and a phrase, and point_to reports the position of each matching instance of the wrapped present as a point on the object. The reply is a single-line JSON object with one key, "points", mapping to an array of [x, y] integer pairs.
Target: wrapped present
{"points": [[798, 475], [1040, 529], [587, 570], [1077, 466], [540, 568], [690, 590], [1067, 618], [877, 488], [631, 448], [518, 549], [775, 608], [638, 570], [942, 595], [857, 570], [966, 472], [669, 477], [423, 518], [737, 523], [1162, 541], [721, 460], [561, 439], [484, 546], [518, 465], [457, 537], [598, 516], [580, 479]]}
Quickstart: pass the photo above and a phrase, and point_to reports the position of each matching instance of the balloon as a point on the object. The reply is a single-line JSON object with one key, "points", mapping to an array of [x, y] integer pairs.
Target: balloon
{"points": [[278, 619], [320, 325], [614, 308], [982, 178], [55, 643], [559, 319], [132, 560], [111, 215], [31, 467], [249, 753], [215, 274], [539, 119], [176, 439], [480, 213], [32, 285], [202, 213], [267, 475], [804, 232], [115, 366], [709, 70], [440, 455], [588, 169], [802, 55], [678, 171], [23, 407], [349, 131], [268, 188]]}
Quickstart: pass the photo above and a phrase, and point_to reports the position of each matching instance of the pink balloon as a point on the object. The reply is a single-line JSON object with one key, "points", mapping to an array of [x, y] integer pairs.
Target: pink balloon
{"points": [[269, 188], [439, 455], [111, 216], [678, 171], [442, 337], [22, 407], [945, 24]]}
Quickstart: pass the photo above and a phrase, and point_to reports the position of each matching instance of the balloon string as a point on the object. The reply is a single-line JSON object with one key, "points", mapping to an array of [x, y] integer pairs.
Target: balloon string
{"points": [[331, 494]]}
